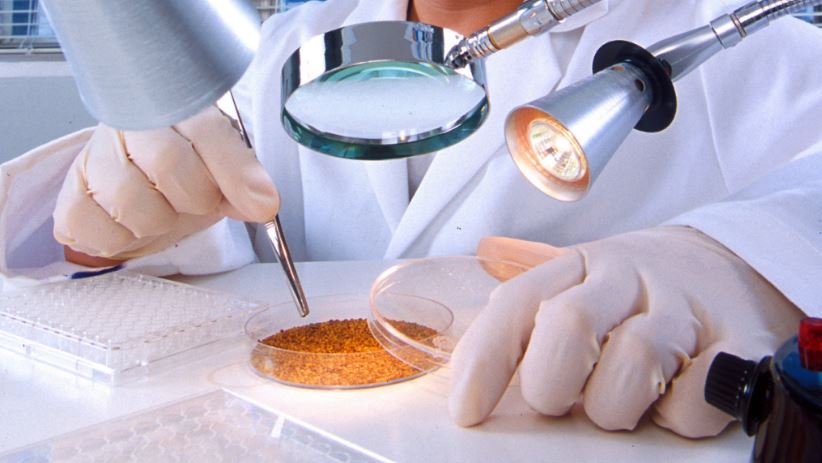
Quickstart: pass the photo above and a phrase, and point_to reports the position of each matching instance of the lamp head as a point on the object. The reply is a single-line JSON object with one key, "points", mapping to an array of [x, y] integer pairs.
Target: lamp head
{"points": [[141, 65], [563, 141]]}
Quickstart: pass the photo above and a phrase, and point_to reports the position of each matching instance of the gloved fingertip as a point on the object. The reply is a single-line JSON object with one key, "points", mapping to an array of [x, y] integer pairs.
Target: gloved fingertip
{"points": [[464, 413], [472, 394], [709, 427], [270, 200], [257, 198], [259, 207], [614, 422], [62, 237]]}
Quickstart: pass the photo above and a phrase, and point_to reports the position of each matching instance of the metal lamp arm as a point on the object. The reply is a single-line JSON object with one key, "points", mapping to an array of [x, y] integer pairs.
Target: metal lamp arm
{"points": [[533, 17], [685, 52]]}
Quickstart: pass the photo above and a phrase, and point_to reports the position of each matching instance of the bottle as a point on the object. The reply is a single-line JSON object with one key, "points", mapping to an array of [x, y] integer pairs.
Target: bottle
{"points": [[778, 399]]}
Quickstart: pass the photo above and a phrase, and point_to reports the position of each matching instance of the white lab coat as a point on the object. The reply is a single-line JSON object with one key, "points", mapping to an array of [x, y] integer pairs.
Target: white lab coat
{"points": [[742, 161]]}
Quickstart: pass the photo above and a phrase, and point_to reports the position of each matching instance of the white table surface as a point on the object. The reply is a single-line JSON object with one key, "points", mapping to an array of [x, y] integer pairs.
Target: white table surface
{"points": [[406, 422]]}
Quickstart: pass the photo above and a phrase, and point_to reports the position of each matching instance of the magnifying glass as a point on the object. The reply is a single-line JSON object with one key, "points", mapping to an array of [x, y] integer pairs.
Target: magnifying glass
{"points": [[381, 90], [393, 89]]}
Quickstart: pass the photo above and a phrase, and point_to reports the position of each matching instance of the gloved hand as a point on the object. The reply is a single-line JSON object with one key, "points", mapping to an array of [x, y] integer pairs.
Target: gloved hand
{"points": [[624, 323], [132, 193]]}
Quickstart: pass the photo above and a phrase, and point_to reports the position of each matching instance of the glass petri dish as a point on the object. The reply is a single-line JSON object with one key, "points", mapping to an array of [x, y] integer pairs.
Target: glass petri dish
{"points": [[323, 370], [442, 293]]}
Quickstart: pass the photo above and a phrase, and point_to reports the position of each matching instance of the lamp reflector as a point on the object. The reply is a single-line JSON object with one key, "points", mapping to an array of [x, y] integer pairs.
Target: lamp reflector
{"points": [[562, 142]]}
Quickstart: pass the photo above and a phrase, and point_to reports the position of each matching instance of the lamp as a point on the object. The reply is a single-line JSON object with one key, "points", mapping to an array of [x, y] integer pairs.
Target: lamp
{"points": [[149, 64], [563, 141]]}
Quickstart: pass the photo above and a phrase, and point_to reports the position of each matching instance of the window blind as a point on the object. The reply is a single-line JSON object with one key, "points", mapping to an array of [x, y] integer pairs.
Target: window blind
{"points": [[24, 27]]}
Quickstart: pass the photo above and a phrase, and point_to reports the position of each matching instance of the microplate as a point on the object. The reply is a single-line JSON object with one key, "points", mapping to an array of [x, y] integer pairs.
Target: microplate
{"points": [[213, 427], [118, 326]]}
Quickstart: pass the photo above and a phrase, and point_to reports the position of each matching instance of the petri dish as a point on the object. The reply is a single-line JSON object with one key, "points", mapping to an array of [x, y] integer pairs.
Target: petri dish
{"points": [[442, 293], [326, 370], [381, 90]]}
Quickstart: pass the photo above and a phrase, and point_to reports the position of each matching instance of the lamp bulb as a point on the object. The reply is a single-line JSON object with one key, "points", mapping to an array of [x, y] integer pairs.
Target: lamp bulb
{"points": [[554, 152]]}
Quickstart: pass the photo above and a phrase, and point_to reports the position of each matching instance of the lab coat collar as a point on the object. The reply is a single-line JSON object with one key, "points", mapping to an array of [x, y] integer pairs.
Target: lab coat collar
{"points": [[389, 179]]}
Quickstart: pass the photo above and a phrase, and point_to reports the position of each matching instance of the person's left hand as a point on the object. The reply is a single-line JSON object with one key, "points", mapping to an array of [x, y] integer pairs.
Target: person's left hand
{"points": [[625, 323], [131, 193]]}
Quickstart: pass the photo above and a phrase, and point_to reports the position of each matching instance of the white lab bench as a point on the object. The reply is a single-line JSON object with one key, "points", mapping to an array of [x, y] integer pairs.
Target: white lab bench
{"points": [[406, 422]]}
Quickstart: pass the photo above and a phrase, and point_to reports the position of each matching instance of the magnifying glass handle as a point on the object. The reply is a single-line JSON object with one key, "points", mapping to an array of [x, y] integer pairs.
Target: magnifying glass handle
{"points": [[228, 105]]}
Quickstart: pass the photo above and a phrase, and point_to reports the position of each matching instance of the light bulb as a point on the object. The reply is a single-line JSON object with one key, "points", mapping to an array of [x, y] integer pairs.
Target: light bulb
{"points": [[547, 153], [554, 152]]}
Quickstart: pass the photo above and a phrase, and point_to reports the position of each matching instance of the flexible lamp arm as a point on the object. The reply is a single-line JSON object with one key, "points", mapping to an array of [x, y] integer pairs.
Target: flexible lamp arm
{"points": [[670, 59], [684, 52], [533, 17], [562, 141]]}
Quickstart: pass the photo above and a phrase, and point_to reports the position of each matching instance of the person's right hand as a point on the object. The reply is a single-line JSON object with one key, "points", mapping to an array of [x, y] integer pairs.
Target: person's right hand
{"points": [[622, 325], [133, 193]]}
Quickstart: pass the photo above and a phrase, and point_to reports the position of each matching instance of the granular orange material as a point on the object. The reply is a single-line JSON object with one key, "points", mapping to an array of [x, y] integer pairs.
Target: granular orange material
{"points": [[335, 353]]}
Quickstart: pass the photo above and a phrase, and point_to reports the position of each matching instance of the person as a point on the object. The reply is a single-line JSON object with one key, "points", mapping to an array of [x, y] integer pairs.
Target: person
{"points": [[702, 238]]}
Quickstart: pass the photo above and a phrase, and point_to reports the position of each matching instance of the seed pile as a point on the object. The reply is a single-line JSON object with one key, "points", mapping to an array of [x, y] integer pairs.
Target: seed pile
{"points": [[335, 353]]}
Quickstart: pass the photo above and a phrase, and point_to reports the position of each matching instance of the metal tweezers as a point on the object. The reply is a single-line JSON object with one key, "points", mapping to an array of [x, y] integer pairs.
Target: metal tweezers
{"points": [[273, 227]]}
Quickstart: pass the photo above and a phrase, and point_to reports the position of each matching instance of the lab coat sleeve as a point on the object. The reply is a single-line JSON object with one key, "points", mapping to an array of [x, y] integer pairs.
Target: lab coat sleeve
{"points": [[764, 101], [29, 185]]}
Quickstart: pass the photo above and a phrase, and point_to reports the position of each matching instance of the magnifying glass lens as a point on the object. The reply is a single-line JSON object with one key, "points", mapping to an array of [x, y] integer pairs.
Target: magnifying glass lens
{"points": [[385, 102], [381, 90]]}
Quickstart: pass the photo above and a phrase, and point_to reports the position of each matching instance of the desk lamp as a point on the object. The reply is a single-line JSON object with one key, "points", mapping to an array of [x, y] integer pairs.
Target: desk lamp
{"points": [[561, 142]]}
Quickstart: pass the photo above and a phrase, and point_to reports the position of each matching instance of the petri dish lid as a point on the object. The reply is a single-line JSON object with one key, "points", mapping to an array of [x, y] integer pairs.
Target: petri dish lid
{"points": [[381, 90], [441, 293]]}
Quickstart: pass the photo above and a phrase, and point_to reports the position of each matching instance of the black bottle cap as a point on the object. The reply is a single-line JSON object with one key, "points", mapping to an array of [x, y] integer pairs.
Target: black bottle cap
{"points": [[740, 388], [728, 377]]}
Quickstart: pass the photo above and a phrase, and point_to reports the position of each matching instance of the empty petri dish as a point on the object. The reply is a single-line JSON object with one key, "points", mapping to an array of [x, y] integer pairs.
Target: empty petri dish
{"points": [[442, 293], [331, 348]]}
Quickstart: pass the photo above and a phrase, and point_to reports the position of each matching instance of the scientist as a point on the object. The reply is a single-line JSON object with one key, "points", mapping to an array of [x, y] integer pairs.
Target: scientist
{"points": [[702, 238]]}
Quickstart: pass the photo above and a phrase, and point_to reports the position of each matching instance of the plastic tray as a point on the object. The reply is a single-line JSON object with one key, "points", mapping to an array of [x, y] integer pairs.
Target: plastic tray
{"points": [[118, 326], [213, 427]]}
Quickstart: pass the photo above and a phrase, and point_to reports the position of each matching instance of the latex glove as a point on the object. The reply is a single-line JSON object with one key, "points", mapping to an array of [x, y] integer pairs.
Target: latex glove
{"points": [[132, 193], [625, 323]]}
